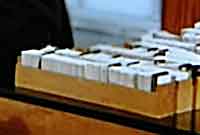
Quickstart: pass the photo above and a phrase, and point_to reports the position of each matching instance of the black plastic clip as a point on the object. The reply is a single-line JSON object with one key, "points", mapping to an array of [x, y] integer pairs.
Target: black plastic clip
{"points": [[155, 79]]}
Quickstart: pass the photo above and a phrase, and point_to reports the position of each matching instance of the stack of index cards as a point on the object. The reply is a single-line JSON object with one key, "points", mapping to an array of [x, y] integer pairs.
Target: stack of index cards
{"points": [[124, 76], [165, 35], [140, 53], [173, 54], [90, 66], [98, 71], [145, 75], [179, 72], [97, 68], [192, 38], [142, 78], [63, 64], [106, 48], [32, 58], [149, 77], [100, 57], [197, 25], [127, 61], [191, 35], [189, 38], [68, 52], [190, 30], [179, 75], [171, 43]]}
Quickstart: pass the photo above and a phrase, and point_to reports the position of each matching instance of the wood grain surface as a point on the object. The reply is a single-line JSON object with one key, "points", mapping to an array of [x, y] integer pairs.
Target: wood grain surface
{"points": [[17, 118]]}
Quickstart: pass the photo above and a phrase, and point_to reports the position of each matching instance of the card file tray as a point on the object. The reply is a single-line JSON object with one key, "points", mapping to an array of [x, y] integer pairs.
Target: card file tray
{"points": [[163, 102]]}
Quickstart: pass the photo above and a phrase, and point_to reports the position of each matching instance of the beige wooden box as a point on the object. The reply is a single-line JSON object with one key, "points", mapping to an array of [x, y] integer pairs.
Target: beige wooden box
{"points": [[198, 94], [165, 101]]}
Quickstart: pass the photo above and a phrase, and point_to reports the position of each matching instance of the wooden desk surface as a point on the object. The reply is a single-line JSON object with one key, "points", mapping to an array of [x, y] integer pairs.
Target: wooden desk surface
{"points": [[17, 118], [37, 108]]}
